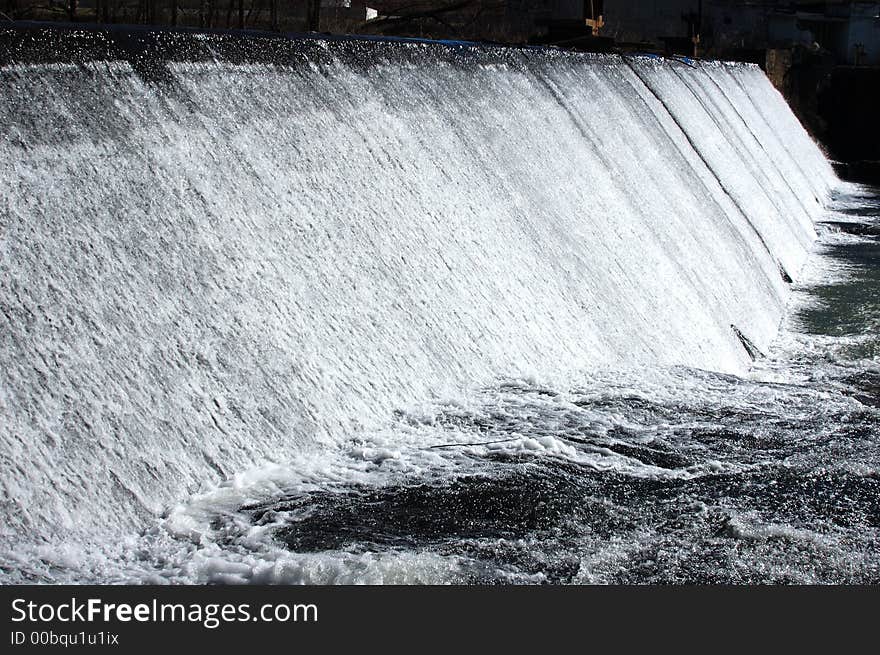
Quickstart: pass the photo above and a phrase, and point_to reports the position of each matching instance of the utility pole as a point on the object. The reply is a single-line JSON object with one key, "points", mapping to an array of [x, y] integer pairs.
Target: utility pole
{"points": [[71, 9], [313, 17], [595, 21], [206, 14]]}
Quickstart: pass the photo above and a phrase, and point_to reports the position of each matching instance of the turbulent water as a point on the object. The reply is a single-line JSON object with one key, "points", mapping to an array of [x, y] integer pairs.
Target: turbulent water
{"points": [[281, 311]]}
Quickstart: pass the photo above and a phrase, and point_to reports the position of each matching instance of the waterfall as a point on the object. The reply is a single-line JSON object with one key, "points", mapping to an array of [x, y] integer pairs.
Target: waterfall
{"points": [[217, 250]]}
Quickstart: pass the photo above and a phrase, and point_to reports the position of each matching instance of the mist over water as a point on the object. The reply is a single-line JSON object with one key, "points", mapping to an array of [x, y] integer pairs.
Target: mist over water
{"points": [[375, 312]]}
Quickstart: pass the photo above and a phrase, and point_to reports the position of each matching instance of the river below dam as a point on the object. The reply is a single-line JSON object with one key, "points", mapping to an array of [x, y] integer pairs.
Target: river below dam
{"points": [[321, 312]]}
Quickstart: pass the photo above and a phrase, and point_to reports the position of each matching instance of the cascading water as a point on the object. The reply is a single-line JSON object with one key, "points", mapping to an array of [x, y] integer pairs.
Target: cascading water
{"points": [[248, 282]]}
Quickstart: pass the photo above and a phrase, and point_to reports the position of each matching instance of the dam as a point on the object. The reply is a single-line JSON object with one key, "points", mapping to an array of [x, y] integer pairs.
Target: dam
{"points": [[266, 299]]}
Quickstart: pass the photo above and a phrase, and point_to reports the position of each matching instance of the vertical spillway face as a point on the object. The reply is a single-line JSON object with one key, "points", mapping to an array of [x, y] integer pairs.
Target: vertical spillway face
{"points": [[231, 262], [121, 341], [800, 164], [754, 92], [752, 174], [695, 263], [770, 164]]}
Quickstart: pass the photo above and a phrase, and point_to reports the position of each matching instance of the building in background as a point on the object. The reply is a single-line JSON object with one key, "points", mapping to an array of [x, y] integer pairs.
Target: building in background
{"points": [[653, 24], [743, 29], [849, 31]]}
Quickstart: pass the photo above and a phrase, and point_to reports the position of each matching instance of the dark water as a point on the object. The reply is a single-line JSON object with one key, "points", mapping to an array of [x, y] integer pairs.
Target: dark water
{"points": [[694, 477]]}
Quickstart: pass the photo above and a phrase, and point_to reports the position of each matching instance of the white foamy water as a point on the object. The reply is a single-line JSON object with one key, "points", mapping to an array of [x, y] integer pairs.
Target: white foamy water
{"points": [[230, 282]]}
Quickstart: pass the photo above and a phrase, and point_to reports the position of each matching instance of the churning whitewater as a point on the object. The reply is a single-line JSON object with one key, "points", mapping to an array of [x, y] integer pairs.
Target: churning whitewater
{"points": [[316, 311]]}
